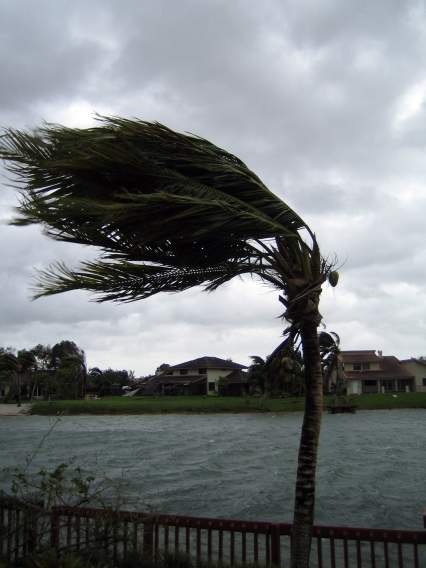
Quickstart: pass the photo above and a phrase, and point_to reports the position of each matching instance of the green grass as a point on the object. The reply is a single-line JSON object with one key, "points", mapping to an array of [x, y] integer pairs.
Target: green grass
{"points": [[389, 401], [213, 404]]}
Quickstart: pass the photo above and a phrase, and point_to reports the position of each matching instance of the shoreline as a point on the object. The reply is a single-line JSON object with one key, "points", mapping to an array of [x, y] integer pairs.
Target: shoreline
{"points": [[214, 405], [201, 413], [15, 410]]}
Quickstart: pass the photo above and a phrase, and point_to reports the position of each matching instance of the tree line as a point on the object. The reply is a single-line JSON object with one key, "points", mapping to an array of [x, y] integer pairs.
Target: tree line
{"points": [[58, 371]]}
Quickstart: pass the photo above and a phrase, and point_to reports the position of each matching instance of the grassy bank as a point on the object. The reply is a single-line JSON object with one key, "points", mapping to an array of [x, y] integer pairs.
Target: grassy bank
{"points": [[206, 404]]}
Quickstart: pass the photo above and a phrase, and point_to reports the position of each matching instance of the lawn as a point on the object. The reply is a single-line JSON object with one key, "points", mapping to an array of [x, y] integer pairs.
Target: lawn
{"points": [[213, 404]]}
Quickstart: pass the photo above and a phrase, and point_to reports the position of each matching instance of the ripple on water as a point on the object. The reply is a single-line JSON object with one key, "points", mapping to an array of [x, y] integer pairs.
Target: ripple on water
{"points": [[370, 472]]}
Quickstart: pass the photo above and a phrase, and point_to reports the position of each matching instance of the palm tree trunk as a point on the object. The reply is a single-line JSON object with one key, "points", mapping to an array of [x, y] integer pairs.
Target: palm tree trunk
{"points": [[308, 448]]}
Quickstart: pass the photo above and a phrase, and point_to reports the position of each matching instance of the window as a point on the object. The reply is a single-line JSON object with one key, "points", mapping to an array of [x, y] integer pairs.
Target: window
{"points": [[202, 371], [183, 372], [211, 387], [361, 366], [424, 382]]}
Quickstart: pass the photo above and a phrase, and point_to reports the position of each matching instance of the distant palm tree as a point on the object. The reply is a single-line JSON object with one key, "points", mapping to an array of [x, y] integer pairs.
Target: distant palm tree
{"points": [[257, 373], [331, 361], [68, 357], [280, 373], [170, 212], [19, 366]]}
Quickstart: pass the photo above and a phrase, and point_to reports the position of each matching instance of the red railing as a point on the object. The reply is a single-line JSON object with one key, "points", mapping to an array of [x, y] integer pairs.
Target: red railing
{"points": [[217, 540]]}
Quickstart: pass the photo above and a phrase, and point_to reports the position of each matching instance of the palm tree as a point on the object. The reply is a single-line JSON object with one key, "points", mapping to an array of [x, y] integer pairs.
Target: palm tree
{"points": [[9, 365], [170, 212], [27, 365], [280, 373], [257, 373], [71, 360], [331, 362], [19, 366]]}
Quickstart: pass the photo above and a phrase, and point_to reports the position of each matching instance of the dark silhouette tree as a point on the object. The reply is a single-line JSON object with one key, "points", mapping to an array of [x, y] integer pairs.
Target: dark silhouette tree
{"points": [[70, 363], [43, 355], [331, 362], [170, 212], [257, 373], [280, 373], [20, 367], [109, 381]]}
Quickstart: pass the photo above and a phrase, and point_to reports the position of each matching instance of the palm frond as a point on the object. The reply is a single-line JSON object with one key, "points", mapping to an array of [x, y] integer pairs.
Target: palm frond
{"points": [[129, 282], [124, 160], [168, 210]]}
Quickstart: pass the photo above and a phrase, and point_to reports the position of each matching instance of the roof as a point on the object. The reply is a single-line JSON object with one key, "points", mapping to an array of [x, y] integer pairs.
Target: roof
{"points": [[367, 356], [176, 379], [390, 368], [157, 381], [207, 362], [414, 360], [236, 376]]}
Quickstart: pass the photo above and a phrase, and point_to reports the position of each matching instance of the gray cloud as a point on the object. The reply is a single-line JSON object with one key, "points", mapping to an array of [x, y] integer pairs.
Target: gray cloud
{"points": [[325, 101]]}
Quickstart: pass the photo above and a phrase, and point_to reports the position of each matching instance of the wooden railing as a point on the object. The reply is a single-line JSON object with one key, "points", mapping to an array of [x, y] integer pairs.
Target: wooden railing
{"points": [[25, 529]]}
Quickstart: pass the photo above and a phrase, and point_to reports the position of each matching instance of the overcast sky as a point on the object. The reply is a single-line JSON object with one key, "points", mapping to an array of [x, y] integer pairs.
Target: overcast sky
{"points": [[326, 101]]}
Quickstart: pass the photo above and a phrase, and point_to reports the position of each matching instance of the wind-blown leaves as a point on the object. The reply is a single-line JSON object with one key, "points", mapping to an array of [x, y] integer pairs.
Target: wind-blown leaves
{"points": [[169, 211]]}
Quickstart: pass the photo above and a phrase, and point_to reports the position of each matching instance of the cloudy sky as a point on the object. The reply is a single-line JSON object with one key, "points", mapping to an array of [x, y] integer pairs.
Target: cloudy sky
{"points": [[326, 101]]}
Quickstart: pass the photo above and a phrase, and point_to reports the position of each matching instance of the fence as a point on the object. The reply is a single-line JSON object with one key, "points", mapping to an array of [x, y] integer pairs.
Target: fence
{"points": [[26, 528]]}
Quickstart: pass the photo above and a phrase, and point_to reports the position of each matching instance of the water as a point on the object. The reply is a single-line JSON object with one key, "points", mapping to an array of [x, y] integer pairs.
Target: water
{"points": [[371, 469]]}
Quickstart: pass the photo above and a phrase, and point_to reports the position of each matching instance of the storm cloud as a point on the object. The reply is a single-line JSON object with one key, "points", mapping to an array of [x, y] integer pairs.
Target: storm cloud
{"points": [[325, 101]]}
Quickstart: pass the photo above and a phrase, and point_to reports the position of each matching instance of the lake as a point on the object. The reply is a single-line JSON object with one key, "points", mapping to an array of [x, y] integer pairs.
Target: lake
{"points": [[371, 469]]}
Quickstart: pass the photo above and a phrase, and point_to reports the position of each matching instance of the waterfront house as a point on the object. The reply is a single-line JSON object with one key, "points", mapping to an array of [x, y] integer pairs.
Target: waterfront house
{"points": [[234, 384], [368, 372], [204, 375], [416, 367], [209, 370]]}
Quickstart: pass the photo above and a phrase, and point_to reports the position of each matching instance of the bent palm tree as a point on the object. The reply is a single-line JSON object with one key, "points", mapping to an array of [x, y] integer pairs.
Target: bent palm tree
{"points": [[169, 212], [329, 344]]}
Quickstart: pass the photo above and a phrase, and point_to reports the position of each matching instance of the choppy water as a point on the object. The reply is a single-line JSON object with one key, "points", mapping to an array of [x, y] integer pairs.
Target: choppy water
{"points": [[372, 467]]}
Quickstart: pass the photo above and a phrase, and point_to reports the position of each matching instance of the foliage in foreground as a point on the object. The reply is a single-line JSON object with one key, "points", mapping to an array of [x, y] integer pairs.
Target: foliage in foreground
{"points": [[91, 559]]}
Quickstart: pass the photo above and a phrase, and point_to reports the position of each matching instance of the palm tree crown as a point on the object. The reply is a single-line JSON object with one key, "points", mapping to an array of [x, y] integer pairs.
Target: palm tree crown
{"points": [[168, 211]]}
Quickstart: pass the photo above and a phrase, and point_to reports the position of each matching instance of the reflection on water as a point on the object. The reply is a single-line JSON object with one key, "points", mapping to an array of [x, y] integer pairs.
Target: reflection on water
{"points": [[371, 467]]}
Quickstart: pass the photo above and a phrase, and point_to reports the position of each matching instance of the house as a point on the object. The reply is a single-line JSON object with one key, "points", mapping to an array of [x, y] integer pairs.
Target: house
{"points": [[169, 385], [203, 375], [234, 384], [416, 367], [368, 372], [211, 369]]}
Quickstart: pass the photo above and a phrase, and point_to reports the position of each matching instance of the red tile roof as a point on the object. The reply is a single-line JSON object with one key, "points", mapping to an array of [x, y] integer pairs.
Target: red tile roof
{"points": [[368, 356], [390, 368]]}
